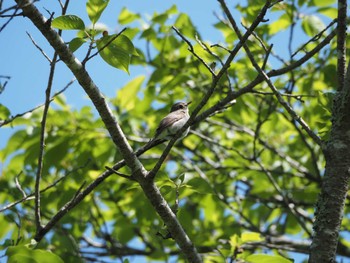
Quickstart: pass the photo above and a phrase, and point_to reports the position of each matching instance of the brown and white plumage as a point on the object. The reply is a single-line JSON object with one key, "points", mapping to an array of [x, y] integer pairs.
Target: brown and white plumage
{"points": [[173, 122]]}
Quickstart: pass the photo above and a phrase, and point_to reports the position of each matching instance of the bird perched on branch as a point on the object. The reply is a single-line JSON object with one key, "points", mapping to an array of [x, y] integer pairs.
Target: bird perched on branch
{"points": [[173, 122]]}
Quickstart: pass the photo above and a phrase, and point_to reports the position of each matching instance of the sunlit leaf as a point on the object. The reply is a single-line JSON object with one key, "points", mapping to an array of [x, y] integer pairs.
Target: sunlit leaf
{"points": [[68, 22], [262, 258], [4, 112], [126, 16], [312, 25], [26, 255], [251, 237], [127, 96], [95, 8]]}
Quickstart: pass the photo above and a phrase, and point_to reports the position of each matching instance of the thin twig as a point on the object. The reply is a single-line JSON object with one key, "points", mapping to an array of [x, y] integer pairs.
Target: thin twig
{"points": [[290, 207], [31, 195], [18, 185], [294, 96], [42, 133], [11, 17], [5, 122], [38, 47], [42, 145], [316, 37], [207, 49], [191, 49], [120, 174]]}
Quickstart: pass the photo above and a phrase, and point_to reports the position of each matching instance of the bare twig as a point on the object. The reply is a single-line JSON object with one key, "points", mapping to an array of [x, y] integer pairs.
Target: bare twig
{"points": [[120, 174], [291, 208], [42, 145], [3, 86], [315, 38], [5, 122], [16, 8], [18, 185], [43, 128], [294, 96], [40, 49], [207, 49], [191, 49], [31, 195]]}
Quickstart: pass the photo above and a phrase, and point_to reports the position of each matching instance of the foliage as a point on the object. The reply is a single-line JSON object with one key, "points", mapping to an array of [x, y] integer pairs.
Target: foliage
{"points": [[244, 179]]}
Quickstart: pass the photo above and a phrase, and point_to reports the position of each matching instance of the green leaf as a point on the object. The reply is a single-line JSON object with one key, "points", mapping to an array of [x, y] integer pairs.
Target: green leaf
{"points": [[331, 12], [280, 24], [262, 258], [172, 10], [68, 22], [312, 25], [149, 34], [127, 17], [199, 185], [127, 95], [24, 254], [116, 52], [321, 3], [160, 19], [251, 237], [95, 8], [185, 25], [76, 43], [4, 112]]}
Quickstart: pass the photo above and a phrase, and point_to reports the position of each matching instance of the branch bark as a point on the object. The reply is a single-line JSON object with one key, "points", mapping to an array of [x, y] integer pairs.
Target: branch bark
{"points": [[330, 204]]}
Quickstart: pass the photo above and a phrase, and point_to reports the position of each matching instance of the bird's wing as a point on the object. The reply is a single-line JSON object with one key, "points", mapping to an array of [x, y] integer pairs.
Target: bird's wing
{"points": [[167, 122]]}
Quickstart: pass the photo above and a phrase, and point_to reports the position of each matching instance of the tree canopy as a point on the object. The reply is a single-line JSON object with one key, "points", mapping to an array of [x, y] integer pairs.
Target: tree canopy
{"points": [[261, 177]]}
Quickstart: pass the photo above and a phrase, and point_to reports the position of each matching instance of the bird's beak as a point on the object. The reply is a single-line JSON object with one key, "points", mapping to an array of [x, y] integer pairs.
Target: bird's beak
{"points": [[188, 103]]}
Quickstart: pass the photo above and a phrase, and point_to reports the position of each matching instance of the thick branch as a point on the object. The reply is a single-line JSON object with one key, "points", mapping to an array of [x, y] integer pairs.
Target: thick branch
{"points": [[341, 43], [330, 204]]}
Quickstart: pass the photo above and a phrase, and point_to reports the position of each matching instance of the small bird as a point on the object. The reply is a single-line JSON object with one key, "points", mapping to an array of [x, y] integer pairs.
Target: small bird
{"points": [[173, 122]]}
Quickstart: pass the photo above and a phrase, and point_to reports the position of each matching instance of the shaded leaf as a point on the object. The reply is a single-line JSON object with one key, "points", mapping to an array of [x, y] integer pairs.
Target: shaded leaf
{"points": [[76, 43], [116, 52]]}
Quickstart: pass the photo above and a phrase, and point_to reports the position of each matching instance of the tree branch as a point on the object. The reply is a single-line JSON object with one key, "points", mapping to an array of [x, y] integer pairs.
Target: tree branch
{"points": [[341, 43], [215, 81]]}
